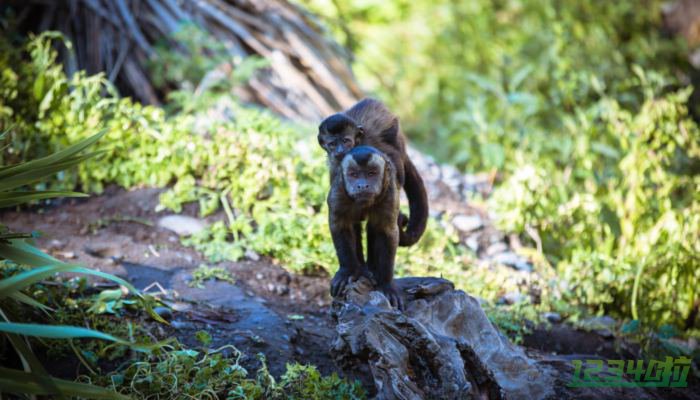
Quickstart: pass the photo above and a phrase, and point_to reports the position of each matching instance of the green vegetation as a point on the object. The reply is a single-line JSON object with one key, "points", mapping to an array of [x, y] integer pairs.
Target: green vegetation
{"points": [[269, 178], [23, 265], [580, 107], [177, 372], [206, 374], [42, 111], [205, 272]]}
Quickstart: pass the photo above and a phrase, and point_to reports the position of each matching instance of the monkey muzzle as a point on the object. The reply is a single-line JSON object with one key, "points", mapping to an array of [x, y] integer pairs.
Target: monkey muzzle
{"points": [[339, 152], [362, 194]]}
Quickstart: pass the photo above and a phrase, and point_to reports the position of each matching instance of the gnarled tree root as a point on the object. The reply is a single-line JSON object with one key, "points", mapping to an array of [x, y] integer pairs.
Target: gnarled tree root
{"points": [[442, 347]]}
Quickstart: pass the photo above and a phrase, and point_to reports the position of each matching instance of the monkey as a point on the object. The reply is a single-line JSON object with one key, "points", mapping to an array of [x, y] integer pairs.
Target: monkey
{"points": [[363, 188], [369, 122]]}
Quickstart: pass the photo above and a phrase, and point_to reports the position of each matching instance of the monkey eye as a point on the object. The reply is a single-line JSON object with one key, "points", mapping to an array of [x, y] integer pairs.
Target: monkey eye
{"points": [[347, 140], [353, 174], [371, 173]]}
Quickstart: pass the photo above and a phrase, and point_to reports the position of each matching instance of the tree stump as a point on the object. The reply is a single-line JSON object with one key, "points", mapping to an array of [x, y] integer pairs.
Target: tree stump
{"points": [[442, 347]]}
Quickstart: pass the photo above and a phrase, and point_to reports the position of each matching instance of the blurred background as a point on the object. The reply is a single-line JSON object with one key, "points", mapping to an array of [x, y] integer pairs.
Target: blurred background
{"points": [[559, 139]]}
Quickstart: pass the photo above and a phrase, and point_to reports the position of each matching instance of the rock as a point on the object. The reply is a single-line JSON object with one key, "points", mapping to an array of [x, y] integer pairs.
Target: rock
{"points": [[603, 325], [252, 255], [495, 248], [605, 333], [56, 244], [552, 317], [467, 223], [182, 224], [512, 298], [164, 312], [180, 306], [442, 347], [452, 178], [181, 324], [598, 323], [67, 254], [513, 260], [472, 242]]}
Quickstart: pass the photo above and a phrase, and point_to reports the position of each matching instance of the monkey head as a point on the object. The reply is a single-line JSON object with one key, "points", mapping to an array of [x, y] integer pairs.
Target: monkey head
{"points": [[338, 134], [364, 171]]}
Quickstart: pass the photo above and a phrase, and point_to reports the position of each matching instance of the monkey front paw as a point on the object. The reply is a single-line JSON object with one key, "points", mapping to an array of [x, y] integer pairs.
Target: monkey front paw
{"points": [[393, 295], [341, 280]]}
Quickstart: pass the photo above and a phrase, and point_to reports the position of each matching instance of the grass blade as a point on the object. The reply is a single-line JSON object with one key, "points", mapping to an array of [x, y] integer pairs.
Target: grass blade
{"points": [[53, 159], [21, 252], [23, 279], [16, 198], [22, 178], [23, 298], [20, 382], [71, 332]]}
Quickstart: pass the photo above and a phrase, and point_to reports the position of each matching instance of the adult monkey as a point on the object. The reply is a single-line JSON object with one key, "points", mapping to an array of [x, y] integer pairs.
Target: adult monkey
{"points": [[370, 123], [365, 187]]}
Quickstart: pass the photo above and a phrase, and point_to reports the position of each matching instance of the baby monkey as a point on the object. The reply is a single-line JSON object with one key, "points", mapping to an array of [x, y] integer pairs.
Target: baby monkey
{"points": [[365, 189]]}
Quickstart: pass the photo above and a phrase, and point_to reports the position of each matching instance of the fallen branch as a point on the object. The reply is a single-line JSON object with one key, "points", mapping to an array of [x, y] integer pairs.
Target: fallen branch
{"points": [[307, 79]]}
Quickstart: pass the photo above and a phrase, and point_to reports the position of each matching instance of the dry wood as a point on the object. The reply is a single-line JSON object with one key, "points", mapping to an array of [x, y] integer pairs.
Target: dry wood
{"points": [[308, 76]]}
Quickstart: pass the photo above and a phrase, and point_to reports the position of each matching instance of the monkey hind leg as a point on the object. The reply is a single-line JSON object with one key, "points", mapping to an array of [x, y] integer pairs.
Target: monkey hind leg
{"points": [[381, 253], [345, 242], [364, 270]]}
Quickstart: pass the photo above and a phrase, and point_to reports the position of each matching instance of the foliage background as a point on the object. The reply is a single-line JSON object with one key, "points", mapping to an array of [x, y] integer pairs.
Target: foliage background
{"points": [[582, 109]]}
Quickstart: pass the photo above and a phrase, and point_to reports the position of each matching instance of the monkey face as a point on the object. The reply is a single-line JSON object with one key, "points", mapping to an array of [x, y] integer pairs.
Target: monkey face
{"points": [[338, 134], [363, 173]]}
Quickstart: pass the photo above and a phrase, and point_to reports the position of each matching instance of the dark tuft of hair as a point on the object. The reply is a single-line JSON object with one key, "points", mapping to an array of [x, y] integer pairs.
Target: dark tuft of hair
{"points": [[362, 154], [336, 123]]}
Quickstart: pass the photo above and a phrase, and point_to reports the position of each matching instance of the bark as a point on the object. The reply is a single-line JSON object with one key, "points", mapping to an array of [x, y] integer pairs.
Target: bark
{"points": [[443, 346], [308, 77]]}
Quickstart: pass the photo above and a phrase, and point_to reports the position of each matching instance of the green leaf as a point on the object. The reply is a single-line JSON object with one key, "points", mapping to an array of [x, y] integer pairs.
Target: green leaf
{"points": [[19, 281], [29, 361], [23, 253], [605, 150], [631, 327], [23, 298], [16, 198], [21, 178], [203, 337], [70, 332], [20, 382], [56, 158]]}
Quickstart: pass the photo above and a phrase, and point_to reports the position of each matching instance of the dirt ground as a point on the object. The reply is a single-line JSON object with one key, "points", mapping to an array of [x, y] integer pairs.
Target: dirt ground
{"points": [[267, 309]]}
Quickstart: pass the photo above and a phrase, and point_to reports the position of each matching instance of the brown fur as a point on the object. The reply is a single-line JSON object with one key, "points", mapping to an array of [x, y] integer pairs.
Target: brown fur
{"points": [[345, 217], [370, 123]]}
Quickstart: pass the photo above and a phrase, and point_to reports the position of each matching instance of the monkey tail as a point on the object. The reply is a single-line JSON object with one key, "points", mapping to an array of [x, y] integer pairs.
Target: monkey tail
{"points": [[417, 205]]}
